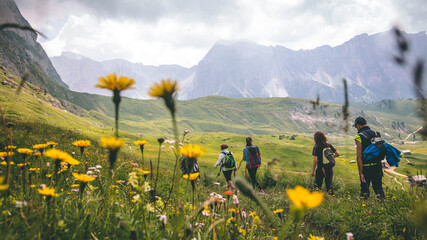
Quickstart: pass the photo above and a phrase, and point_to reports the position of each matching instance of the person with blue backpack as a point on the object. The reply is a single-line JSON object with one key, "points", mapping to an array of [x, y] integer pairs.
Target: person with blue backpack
{"points": [[252, 156], [227, 164], [370, 169]]}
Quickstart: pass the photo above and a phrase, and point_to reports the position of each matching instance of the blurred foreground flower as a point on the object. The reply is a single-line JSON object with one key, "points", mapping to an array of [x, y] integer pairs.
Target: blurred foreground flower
{"points": [[116, 85], [192, 177], [165, 89], [61, 156], [192, 151], [303, 198], [25, 152]]}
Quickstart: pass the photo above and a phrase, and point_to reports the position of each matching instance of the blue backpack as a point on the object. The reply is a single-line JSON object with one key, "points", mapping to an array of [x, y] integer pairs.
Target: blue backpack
{"points": [[375, 152]]}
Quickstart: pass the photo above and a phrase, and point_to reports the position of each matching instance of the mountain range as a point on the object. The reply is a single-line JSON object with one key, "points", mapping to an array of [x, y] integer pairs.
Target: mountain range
{"points": [[243, 69]]}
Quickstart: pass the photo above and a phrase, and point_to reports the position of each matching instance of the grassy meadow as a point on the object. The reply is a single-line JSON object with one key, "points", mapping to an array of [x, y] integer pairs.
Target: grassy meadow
{"points": [[122, 201]]}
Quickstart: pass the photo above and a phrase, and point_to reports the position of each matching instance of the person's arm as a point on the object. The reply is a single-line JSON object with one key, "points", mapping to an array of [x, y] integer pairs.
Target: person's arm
{"points": [[218, 163], [359, 160], [336, 154], [314, 165]]}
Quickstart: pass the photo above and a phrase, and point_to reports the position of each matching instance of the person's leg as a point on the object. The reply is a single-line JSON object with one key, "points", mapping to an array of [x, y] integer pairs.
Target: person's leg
{"points": [[364, 186], [252, 174], [227, 175], [329, 173], [377, 183], [318, 181]]}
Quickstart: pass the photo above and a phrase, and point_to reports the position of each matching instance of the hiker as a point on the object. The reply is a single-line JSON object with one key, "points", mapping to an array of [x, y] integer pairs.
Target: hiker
{"points": [[369, 172], [227, 164], [324, 155], [252, 156], [189, 166]]}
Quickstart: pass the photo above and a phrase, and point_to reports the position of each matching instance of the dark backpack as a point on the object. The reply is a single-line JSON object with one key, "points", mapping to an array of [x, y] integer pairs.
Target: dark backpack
{"points": [[254, 156], [375, 152], [230, 162], [328, 157]]}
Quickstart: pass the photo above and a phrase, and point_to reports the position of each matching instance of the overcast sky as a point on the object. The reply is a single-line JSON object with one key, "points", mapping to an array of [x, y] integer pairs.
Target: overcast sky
{"points": [[181, 32]]}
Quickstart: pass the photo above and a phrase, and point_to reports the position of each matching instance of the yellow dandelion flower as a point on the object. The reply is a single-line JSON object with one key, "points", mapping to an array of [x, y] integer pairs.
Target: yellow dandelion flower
{"points": [[278, 211], [145, 172], [193, 176], [34, 169], [81, 143], [40, 146], [112, 143], [314, 238], [4, 163], [25, 151], [192, 151], [113, 83], [83, 177], [62, 156], [47, 191], [165, 89], [51, 143], [232, 210], [74, 185], [3, 186], [140, 142], [37, 154], [303, 198], [10, 147], [21, 164], [48, 175], [4, 154]]}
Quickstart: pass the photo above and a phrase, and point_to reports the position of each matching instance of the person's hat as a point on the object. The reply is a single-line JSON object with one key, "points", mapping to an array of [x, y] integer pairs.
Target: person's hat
{"points": [[359, 120]]}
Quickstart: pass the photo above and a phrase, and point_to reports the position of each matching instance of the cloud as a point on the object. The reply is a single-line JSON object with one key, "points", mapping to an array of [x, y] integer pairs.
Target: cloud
{"points": [[182, 31]]}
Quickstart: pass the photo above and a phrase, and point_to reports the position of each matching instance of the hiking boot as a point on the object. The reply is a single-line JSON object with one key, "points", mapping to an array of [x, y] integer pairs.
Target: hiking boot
{"points": [[261, 191]]}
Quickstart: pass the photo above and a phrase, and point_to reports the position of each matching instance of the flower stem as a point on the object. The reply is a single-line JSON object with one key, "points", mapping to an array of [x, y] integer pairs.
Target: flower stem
{"points": [[158, 165], [175, 131]]}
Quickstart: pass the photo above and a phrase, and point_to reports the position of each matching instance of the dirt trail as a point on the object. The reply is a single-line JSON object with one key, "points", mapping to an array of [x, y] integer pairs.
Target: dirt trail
{"points": [[419, 129]]}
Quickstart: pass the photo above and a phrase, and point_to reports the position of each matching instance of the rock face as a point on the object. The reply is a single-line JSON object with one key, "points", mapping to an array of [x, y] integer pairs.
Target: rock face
{"points": [[20, 52], [242, 69]]}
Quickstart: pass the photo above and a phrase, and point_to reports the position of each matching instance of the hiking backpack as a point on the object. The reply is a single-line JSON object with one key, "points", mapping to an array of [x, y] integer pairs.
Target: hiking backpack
{"points": [[230, 162], [328, 157], [254, 156], [375, 152]]}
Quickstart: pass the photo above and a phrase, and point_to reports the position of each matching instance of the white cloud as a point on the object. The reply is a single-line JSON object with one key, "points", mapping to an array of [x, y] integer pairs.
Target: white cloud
{"points": [[182, 31]]}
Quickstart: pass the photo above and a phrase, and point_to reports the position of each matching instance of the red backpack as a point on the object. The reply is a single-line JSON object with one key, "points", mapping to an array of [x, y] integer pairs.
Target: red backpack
{"points": [[255, 156]]}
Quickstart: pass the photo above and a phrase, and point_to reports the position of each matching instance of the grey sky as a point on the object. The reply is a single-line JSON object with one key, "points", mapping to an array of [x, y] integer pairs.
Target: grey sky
{"points": [[182, 31]]}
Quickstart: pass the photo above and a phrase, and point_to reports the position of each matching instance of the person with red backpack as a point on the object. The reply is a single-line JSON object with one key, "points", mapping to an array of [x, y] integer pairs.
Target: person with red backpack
{"points": [[252, 156], [324, 155], [227, 163]]}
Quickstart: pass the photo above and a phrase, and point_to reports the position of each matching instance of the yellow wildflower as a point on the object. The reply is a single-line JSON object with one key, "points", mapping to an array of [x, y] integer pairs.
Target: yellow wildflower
{"points": [[303, 198], [62, 156], [278, 211], [48, 175], [165, 89], [10, 147], [81, 143], [51, 143], [34, 169], [232, 210], [140, 142], [25, 151], [145, 172], [192, 151], [112, 143], [3, 186], [75, 185], [111, 82], [47, 191], [4, 163], [37, 154], [314, 238], [193, 176], [21, 164], [4, 154], [83, 177], [40, 146]]}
